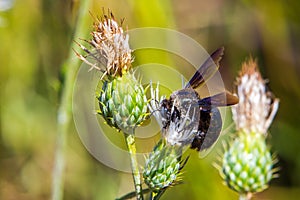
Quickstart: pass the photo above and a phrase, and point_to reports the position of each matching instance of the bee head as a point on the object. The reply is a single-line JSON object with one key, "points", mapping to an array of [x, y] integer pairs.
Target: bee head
{"points": [[165, 111], [169, 112]]}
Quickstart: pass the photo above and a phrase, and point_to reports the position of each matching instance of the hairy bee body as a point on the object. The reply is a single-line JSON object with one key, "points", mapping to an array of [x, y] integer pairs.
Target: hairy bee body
{"points": [[187, 118], [182, 111]]}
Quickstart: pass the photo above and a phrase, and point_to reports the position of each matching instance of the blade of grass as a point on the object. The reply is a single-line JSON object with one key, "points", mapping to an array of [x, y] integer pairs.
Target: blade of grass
{"points": [[64, 113]]}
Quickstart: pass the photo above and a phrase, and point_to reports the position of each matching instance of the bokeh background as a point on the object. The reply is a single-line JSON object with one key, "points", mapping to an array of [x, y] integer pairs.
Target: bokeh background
{"points": [[35, 52]]}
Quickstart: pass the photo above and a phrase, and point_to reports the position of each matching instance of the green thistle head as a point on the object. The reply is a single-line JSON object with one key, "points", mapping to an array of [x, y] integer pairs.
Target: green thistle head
{"points": [[163, 167], [248, 164], [123, 103]]}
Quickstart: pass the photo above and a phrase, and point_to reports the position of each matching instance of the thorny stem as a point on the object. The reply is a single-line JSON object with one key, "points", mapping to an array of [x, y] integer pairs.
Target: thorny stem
{"points": [[64, 111], [130, 142]]}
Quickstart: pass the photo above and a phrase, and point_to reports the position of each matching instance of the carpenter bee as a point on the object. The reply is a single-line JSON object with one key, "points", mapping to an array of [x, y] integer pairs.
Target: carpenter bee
{"points": [[189, 119]]}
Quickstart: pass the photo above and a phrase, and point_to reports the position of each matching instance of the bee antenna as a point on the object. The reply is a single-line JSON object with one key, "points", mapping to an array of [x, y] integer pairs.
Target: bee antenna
{"points": [[151, 113], [154, 111], [150, 105], [156, 101]]}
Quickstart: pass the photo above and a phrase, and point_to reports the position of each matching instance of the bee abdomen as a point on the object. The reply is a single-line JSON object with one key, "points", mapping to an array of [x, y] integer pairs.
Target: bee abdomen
{"points": [[209, 129]]}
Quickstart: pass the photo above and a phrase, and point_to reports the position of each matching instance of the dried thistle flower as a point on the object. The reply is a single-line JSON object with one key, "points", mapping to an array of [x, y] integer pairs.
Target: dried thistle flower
{"points": [[111, 54], [122, 100], [257, 106], [247, 164]]}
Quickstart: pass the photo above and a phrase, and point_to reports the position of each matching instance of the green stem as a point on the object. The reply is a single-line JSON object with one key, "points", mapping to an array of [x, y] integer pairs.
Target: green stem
{"points": [[157, 195], [130, 141], [132, 194], [245, 196], [152, 195], [64, 114]]}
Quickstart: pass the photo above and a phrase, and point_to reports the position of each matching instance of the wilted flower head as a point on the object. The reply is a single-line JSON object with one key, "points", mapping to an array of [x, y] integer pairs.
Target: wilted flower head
{"points": [[112, 54], [257, 105]]}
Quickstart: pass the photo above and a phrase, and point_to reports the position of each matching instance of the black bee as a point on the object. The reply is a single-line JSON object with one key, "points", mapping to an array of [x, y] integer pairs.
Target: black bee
{"points": [[189, 119]]}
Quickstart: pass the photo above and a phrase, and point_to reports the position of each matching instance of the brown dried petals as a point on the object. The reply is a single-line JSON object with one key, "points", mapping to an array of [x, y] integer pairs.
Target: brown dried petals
{"points": [[257, 106], [112, 54]]}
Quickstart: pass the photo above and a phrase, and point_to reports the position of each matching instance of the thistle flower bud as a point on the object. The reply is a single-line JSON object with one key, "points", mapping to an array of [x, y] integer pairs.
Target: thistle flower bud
{"points": [[123, 103], [163, 167], [122, 100], [247, 164]]}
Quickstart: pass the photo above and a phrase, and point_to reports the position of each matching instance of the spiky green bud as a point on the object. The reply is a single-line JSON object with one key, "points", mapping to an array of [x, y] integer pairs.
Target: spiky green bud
{"points": [[162, 167], [247, 164], [123, 102]]}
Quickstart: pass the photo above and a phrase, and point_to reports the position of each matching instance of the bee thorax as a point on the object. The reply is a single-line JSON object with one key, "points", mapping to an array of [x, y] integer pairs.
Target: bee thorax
{"points": [[180, 117]]}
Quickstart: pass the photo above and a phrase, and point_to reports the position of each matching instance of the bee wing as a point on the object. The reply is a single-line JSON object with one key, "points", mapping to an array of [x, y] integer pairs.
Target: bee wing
{"points": [[220, 99], [207, 69], [212, 133], [210, 126]]}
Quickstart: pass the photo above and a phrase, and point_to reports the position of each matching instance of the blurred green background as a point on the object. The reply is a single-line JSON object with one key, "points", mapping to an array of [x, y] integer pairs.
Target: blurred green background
{"points": [[35, 40]]}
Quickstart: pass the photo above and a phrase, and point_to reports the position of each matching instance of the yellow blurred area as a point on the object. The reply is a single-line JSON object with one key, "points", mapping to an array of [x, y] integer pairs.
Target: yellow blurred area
{"points": [[35, 40]]}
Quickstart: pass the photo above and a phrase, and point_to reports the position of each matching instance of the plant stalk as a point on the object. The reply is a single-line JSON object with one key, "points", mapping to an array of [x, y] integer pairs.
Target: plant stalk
{"points": [[157, 195], [133, 194], [130, 142], [64, 114], [245, 196]]}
